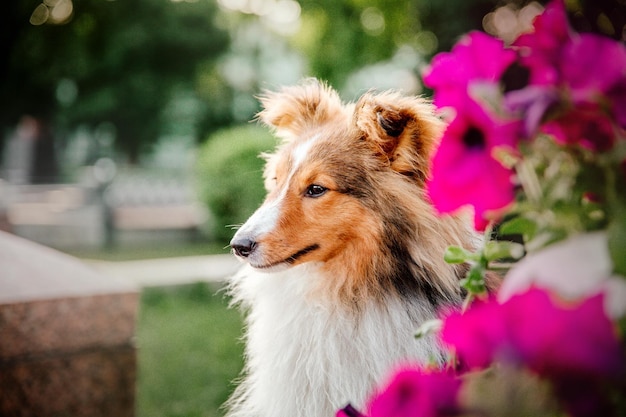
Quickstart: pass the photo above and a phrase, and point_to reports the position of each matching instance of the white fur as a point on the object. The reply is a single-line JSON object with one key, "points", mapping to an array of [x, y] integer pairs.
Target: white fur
{"points": [[264, 219], [306, 356], [301, 151]]}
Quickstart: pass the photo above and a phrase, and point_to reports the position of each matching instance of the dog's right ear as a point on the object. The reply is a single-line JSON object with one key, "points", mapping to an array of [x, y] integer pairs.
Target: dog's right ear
{"points": [[401, 130], [293, 109]]}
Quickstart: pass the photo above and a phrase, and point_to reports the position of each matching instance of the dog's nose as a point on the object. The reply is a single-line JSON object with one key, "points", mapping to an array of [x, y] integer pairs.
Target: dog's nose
{"points": [[243, 247]]}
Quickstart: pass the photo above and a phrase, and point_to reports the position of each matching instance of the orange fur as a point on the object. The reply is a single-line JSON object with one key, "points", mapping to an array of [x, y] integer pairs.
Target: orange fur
{"points": [[298, 108], [410, 151]]}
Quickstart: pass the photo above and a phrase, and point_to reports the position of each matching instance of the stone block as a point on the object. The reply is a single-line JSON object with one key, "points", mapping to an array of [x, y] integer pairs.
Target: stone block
{"points": [[66, 335]]}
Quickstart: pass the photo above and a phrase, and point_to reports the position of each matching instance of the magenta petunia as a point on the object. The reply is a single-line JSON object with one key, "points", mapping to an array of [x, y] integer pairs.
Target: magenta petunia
{"points": [[593, 65], [568, 69], [575, 347], [477, 335], [540, 50], [593, 69], [563, 340], [477, 57], [585, 125], [464, 170], [535, 331], [416, 393], [540, 54], [617, 98], [572, 345]]}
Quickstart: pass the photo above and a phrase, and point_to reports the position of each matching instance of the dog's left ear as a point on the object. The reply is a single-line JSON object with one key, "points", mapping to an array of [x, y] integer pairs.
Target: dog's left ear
{"points": [[401, 130], [295, 109]]}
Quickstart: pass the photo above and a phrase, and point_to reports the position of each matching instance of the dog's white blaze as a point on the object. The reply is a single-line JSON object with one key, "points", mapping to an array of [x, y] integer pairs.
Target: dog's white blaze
{"points": [[266, 217], [263, 220], [300, 152]]}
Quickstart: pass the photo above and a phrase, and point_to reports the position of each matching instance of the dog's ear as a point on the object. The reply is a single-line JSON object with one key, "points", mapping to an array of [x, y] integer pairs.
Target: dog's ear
{"points": [[402, 130], [293, 109]]}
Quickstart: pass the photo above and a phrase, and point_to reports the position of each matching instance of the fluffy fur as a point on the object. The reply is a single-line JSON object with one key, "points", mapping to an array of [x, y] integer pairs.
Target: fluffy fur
{"points": [[344, 257]]}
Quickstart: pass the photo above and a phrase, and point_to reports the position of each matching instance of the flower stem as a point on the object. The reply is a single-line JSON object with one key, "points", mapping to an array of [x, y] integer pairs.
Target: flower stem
{"points": [[529, 181]]}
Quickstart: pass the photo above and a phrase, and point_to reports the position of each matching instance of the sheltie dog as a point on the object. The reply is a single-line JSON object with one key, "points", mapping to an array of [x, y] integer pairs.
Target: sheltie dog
{"points": [[344, 259]]}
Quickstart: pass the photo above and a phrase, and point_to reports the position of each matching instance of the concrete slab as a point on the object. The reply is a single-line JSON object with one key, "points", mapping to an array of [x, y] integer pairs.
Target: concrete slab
{"points": [[171, 271]]}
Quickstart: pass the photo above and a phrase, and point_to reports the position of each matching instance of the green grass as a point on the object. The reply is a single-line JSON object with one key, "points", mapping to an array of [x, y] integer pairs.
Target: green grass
{"points": [[189, 351]]}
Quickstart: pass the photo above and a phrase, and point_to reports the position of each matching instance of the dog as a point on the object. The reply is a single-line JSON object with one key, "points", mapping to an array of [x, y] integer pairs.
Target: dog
{"points": [[344, 258]]}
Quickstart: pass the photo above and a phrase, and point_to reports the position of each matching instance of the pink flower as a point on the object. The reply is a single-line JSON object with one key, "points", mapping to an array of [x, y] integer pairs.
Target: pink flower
{"points": [[617, 98], [587, 126], [573, 346], [591, 65], [533, 330], [477, 57], [417, 393], [477, 335], [464, 170], [540, 53], [540, 50], [568, 69], [593, 68], [560, 340]]}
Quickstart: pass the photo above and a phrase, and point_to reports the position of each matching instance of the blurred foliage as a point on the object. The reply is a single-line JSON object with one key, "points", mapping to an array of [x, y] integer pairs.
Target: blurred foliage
{"points": [[449, 20], [122, 64], [114, 61], [229, 173], [341, 36], [188, 351]]}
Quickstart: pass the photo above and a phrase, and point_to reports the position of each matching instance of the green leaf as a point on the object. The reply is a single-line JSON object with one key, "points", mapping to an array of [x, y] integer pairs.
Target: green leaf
{"points": [[475, 280], [502, 250], [519, 226], [456, 255]]}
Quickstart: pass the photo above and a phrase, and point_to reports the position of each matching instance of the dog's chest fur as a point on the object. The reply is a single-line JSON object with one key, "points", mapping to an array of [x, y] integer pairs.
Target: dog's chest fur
{"points": [[307, 356]]}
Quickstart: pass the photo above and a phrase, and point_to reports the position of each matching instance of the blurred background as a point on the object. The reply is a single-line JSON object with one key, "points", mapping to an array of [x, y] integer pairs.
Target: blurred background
{"points": [[127, 123], [125, 132]]}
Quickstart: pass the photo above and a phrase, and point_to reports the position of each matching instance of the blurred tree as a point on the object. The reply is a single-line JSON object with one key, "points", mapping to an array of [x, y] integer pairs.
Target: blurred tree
{"points": [[341, 36], [452, 18], [120, 62], [117, 62]]}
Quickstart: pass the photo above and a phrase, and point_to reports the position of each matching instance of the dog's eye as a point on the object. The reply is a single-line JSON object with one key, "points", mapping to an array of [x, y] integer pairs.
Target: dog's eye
{"points": [[315, 190]]}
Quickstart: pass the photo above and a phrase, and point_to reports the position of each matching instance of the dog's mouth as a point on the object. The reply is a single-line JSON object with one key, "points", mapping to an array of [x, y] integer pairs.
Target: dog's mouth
{"points": [[288, 261]]}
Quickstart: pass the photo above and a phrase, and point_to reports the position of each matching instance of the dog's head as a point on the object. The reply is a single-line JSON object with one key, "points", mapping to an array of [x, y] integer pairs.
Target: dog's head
{"points": [[334, 181]]}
